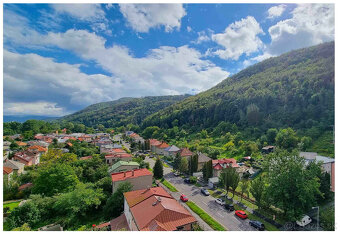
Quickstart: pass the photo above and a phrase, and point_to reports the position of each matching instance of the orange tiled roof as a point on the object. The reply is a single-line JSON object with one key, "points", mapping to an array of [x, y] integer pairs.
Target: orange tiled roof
{"points": [[85, 158], [118, 176], [38, 148], [7, 170], [20, 143], [154, 142], [163, 145], [186, 152], [164, 212], [25, 186]]}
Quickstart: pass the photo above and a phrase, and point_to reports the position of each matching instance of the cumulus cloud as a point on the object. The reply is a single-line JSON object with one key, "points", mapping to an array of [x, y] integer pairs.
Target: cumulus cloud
{"points": [[88, 12], [276, 11], [202, 37], [34, 108], [310, 24], [142, 17], [240, 37]]}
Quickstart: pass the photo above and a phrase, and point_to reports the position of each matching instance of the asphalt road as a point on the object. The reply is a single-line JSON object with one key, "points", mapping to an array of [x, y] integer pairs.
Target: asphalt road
{"points": [[207, 203]]}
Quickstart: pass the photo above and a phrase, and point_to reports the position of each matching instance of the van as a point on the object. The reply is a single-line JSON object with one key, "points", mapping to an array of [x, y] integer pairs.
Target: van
{"points": [[304, 221]]}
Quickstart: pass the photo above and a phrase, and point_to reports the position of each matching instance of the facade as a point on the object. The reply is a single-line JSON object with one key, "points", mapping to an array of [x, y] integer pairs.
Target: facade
{"points": [[153, 144], [26, 157], [115, 157], [7, 173], [164, 213], [220, 164], [185, 152], [17, 167], [202, 159], [171, 151], [140, 179], [123, 166]]}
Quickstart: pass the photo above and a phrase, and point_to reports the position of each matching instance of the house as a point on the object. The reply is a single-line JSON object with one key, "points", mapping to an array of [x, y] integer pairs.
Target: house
{"points": [[7, 173], [85, 158], [140, 179], [17, 167], [268, 149], [37, 149], [213, 182], [153, 144], [160, 149], [327, 164], [164, 213], [202, 159], [113, 158], [25, 186], [6, 145], [185, 152], [20, 143], [123, 166], [220, 164], [171, 151], [26, 157]]}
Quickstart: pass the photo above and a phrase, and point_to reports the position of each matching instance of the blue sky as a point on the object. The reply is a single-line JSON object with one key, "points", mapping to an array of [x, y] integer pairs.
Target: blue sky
{"points": [[60, 58]]}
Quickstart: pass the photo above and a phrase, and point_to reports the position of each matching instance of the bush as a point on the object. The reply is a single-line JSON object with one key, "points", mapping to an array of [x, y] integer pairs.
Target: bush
{"points": [[193, 179], [169, 186]]}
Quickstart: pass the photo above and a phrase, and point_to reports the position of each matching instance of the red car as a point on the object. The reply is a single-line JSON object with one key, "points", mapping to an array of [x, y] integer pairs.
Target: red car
{"points": [[241, 214], [184, 198]]}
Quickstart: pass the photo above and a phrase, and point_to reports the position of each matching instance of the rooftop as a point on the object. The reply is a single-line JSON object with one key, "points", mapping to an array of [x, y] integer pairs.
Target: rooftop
{"points": [[118, 176], [123, 163]]}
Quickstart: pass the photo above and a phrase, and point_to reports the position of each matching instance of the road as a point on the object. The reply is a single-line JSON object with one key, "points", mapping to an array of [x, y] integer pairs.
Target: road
{"points": [[207, 203]]}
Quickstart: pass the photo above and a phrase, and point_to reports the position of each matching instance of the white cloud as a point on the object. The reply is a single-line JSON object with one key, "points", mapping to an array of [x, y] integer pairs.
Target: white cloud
{"points": [[310, 24], [189, 29], [240, 37], [88, 12], [34, 108], [202, 37], [276, 11], [142, 17]]}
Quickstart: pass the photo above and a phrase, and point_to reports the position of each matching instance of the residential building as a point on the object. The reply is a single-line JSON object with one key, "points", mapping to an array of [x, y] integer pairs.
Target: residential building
{"points": [[164, 213], [186, 153], [153, 144], [202, 159], [114, 157], [171, 151], [17, 167], [220, 164], [25, 186], [327, 164], [26, 157], [123, 166], [85, 158], [268, 149], [7, 173], [160, 148], [140, 179]]}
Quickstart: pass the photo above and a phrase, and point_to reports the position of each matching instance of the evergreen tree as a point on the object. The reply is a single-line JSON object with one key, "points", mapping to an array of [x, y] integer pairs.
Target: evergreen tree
{"points": [[177, 161], [183, 167], [158, 169]]}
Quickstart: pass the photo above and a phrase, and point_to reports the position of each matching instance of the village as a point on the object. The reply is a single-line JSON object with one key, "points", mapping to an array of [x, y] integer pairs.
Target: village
{"points": [[183, 186]]}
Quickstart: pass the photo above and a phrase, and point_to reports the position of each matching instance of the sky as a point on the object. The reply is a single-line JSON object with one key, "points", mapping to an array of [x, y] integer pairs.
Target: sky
{"points": [[60, 58]]}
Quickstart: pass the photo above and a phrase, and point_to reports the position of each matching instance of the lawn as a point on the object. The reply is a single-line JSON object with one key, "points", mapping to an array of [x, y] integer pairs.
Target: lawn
{"points": [[206, 218], [169, 186], [12, 205]]}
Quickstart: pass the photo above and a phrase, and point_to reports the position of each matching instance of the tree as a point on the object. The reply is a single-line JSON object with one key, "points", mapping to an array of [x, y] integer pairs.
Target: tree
{"points": [[193, 163], [257, 189], [177, 161], [207, 170], [226, 178], [24, 227], [235, 179], [115, 204], [271, 135], [244, 187], [327, 219], [149, 131], [291, 186], [305, 143], [158, 169], [286, 139], [253, 114], [56, 156], [54, 178], [183, 167]]}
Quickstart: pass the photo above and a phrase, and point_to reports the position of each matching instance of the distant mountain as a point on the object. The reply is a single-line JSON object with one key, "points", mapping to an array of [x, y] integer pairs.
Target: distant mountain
{"points": [[294, 90], [23, 118], [122, 111]]}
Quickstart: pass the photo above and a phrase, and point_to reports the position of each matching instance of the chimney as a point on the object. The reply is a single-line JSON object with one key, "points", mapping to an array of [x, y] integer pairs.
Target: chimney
{"points": [[124, 173], [133, 172]]}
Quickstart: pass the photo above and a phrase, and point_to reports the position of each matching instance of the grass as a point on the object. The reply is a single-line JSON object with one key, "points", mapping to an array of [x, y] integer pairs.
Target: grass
{"points": [[324, 145], [206, 217], [12, 205], [169, 186], [165, 165]]}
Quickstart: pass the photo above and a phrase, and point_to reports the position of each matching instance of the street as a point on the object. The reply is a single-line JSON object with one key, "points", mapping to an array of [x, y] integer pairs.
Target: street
{"points": [[207, 203]]}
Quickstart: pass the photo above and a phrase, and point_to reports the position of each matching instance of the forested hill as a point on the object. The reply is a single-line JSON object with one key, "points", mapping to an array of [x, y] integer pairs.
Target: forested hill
{"points": [[122, 111], [294, 90]]}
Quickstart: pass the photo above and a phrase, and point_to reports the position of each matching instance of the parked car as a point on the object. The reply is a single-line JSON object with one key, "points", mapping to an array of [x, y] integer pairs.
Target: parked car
{"points": [[229, 207], [187, 180], [220, 201], [257, 224], [151, 156], [184, 198], [177, 173], [304, 221], [241, 214], [205, 192]]}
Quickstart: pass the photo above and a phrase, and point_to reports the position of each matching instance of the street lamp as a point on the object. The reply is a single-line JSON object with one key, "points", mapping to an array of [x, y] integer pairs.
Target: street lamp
{"points": [[317, 221]]}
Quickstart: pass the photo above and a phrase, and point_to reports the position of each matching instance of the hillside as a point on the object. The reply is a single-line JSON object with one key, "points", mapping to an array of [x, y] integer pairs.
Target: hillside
{"points": [[122, 111], [294, 90]]}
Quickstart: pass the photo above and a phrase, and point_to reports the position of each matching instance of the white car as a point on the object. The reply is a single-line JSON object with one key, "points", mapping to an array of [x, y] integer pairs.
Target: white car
{"points": [[304, 221], [220, 201]]}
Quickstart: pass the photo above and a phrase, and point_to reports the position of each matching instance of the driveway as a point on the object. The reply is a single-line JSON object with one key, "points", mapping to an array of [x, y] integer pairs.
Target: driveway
{"points": [[207, 203]]}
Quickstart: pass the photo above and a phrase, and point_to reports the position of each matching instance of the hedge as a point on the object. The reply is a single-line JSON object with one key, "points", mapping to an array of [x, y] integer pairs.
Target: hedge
{"points": [[169, 186]]}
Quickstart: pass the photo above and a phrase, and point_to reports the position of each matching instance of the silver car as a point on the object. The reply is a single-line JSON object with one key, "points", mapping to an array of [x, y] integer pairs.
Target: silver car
{"points": [[220, 201]]}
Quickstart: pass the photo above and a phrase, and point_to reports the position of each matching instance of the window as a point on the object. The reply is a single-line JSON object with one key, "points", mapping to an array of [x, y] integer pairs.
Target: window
{"points": [[180, 228]]}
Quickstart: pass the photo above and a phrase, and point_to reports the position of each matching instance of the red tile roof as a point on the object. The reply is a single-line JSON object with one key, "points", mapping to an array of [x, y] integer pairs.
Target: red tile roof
{"points": [[25, 186], [137, 196], [185, 152], [154, 142], [163, 145], [224, 161], [119, 223], [118, 155], [118, 176], [20, 143], [38, 148], [7, 170], [85, 158], [164, 212]]}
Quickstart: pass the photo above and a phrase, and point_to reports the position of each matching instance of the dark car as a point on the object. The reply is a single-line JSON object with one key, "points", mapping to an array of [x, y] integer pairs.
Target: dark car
{"points": [[205, 192], [229, 207], [257, 224], [187, 180]]}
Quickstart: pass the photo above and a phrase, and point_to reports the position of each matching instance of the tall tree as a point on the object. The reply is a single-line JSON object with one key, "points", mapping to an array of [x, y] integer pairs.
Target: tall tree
{"points": [[226, 178], [177, 161], [183, 167], [158, 169], [235, 179], [244, 187], [286, 139], [257, 189]]}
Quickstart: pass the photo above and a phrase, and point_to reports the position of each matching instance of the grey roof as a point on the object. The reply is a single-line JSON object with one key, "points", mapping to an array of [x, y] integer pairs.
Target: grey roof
{"points": [[203, 158], [324, 159], [213, 180], [14, 164], [310, 156], [172, 148]]}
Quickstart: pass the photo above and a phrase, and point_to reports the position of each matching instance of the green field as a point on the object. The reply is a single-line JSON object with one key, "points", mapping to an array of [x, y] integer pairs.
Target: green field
{"points": [[12, 205]]}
